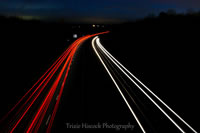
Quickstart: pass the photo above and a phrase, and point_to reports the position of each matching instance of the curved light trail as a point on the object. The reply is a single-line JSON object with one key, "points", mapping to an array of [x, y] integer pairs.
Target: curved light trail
{"points": [[120, 66], [133, 113], [135, 81], [31, 110]]}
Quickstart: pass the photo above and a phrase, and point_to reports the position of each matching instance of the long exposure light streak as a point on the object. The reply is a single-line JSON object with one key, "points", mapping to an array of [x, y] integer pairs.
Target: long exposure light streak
{"points": [[142, 84], [49, 85], [133, 113], [127, 73]]}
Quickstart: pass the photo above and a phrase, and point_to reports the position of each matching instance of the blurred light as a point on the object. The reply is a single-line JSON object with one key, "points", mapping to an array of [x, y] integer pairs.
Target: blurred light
{"points": [[93, 25], [75, 35], [29, 17]]}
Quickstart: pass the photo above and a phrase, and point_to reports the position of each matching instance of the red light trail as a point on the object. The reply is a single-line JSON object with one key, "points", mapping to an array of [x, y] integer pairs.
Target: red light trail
{"points": [[42, 93]]}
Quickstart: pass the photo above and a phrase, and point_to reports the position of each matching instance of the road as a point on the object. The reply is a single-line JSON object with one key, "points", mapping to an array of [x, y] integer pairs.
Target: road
{"points": [[94, 100], [87, 89], [39, 105]]}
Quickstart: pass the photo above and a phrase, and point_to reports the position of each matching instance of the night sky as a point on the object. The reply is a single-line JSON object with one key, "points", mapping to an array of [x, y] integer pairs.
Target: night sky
{"points": [[94, 9]]}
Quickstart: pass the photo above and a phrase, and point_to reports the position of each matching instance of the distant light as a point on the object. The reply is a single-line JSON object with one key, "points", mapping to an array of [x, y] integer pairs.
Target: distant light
{"points": [[98, 25], [29, 17], [75, 35], [93, 25]]}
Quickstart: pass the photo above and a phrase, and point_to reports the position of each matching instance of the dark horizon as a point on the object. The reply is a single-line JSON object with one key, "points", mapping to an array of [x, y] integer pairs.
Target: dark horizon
{"points": [[100, 20], [95, 11]]}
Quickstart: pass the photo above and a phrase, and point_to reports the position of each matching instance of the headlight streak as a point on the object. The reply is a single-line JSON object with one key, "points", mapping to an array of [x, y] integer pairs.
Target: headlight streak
{"points": [[125, 71], [133, 113], [121, 67], [124, 85]]}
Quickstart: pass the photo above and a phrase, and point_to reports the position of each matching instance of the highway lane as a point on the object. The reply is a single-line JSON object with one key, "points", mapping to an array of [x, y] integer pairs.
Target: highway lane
{"points": [[90, 97], [114, 81], [121, 67], [111, 64], [36, 110], [37, 97]]}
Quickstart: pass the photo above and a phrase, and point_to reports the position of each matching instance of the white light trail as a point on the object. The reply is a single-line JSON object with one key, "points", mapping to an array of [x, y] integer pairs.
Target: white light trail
{"points": [[117, 85], [120, 66], [125, 71]]}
